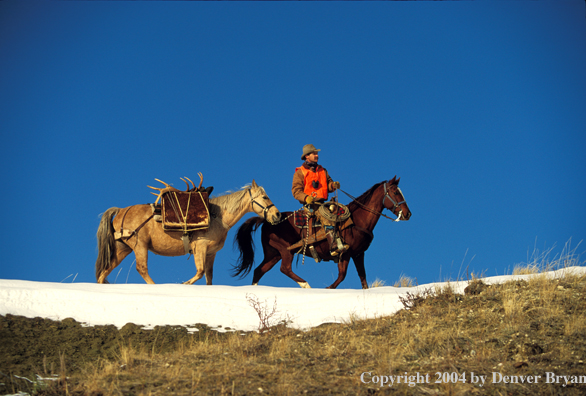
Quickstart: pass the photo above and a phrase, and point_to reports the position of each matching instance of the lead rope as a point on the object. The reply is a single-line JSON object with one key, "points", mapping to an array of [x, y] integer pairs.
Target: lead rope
{"points": [[282, 220], [306, 237]]}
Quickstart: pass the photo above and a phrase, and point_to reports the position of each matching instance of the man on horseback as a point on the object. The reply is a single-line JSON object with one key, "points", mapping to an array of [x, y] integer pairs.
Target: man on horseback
{"points": [[311, 185]]}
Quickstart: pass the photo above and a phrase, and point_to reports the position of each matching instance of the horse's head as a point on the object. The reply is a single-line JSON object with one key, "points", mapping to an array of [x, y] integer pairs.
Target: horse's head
{"points": [[262, 205], [395, 201]]}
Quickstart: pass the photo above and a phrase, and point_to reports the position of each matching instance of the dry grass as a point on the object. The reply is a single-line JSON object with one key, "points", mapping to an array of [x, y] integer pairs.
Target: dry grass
{"points": [[542, 261], [519, 328], [377, 283], [404, 281]]}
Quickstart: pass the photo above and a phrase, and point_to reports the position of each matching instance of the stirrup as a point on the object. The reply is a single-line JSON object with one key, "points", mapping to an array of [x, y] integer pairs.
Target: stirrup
{"points": [[341, 247]]}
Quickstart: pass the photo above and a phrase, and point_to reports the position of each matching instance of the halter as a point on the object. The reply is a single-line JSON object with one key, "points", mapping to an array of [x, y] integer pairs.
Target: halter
{"points": [[395, 204], [264, 209]]}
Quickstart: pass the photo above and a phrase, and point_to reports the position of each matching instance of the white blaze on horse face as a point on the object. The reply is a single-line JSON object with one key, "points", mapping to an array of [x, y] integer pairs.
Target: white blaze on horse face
{"points": [[404, 200], [400, 215], [402, 194]]}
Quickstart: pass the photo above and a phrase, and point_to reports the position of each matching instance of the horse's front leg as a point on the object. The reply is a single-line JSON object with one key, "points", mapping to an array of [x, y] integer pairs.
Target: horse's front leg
{"points": [[199, 250], [209, 268], [359, 263], [342, 269]]}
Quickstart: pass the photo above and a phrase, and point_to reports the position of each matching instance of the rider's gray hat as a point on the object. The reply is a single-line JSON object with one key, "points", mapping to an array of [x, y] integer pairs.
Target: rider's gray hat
{"points": [[308, 149]]}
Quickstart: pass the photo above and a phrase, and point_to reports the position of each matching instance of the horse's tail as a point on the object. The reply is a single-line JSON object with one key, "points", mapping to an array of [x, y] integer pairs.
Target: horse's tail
{"points": [[245, 244], [106, 242]]}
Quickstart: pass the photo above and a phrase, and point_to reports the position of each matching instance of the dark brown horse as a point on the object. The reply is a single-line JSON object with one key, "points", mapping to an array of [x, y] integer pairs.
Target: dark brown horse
{"points": [[365, 211]]}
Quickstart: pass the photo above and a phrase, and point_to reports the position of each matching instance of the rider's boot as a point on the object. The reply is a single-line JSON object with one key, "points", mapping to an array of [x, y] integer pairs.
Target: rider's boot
{"points": [[342, 247], [332, 242]]}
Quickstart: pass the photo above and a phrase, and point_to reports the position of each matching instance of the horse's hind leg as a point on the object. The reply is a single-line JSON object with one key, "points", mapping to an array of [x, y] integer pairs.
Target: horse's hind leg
{"points": [[122, 250], [286, 268], [263, 268], [199, 256], [141, 253], [271, 257]]}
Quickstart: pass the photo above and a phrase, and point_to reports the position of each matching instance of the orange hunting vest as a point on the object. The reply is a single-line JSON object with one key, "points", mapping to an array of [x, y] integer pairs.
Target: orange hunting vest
{"points": [[321, 192]]}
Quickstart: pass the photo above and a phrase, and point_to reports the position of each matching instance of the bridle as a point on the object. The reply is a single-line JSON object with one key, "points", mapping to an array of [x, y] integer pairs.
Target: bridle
{"points": [[395, 204], [264, 209]]}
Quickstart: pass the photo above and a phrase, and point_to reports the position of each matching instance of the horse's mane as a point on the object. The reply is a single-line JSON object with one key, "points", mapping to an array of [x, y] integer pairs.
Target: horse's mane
{"points": [[365, 197], [232, 200]]}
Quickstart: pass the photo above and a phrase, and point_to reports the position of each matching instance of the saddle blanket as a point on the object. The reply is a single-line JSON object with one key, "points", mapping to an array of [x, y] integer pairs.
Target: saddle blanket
{"points": [[185, 211], [301, 219]]}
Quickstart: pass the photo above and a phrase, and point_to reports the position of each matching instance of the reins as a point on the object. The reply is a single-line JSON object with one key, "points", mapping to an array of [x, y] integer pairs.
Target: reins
{"points": [[374, 211]]}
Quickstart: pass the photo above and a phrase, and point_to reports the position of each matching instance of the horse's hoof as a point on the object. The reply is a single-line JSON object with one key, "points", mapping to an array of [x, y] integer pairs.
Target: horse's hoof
{"points": [[304, 285]]}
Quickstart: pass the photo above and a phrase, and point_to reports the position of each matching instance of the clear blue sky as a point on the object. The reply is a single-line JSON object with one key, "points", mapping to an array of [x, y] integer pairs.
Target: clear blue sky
{"points": [[479, 107]]}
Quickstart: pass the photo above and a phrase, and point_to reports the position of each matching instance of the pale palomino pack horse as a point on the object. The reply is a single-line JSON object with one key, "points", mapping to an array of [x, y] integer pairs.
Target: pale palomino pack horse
{"points": [[225, 211]]}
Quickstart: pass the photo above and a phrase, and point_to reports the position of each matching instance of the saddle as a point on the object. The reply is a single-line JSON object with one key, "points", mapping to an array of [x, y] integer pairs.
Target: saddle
{"points": [[317, 233], [328, 215], [302, 220]]}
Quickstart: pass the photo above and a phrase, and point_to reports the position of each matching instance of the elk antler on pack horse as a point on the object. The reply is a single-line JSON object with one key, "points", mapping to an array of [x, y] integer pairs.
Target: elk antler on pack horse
{"points": [[277, 239], [145, 234], [168, 188]]}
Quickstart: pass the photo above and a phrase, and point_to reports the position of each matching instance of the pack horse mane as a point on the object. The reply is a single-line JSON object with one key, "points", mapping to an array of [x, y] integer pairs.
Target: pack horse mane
{"points": [[134, 229]]}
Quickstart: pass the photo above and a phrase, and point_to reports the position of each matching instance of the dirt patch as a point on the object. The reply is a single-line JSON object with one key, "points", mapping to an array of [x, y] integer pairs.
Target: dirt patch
{"points": [[44, 347]]}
